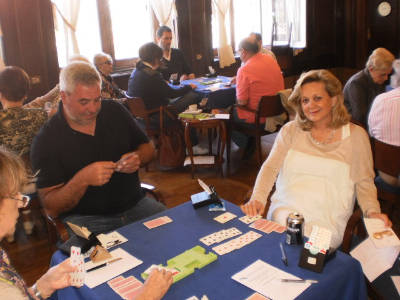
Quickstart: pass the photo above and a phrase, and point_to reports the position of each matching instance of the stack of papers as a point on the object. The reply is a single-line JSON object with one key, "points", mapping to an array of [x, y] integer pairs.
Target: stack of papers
{"points": [[379, 252]]}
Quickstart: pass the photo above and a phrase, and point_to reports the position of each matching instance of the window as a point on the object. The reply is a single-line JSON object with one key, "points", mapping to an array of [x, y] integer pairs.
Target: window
{"points": [[103, 26], [286, 17]]}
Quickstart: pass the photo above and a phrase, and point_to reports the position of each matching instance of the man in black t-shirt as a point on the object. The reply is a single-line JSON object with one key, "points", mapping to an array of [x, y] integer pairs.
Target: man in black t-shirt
{"points": [[76, 155], [174, 61]]}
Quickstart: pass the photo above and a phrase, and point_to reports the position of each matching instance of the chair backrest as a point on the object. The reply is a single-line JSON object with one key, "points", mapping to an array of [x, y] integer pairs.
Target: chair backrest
{"points": [[386, 157], [137, 107], [270, 106]]}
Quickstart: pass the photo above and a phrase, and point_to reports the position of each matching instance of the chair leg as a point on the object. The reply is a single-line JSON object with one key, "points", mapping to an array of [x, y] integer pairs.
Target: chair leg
{"points": [[258, 145], [27, 221]]}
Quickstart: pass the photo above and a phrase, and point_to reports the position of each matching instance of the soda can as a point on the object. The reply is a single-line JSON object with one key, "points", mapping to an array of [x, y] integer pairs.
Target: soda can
{"points": [[294, 229]]}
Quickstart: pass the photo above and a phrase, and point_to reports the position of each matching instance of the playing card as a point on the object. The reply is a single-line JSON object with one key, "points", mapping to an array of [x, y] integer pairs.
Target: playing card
{"points": [[257, 296], [220, 236], [248, 219], [271, 227], [115, 280], [157, 222], [127, 288], [193, 298], [237, 243], [260, 224], [78, 276], [225, 217], [280, 229]]}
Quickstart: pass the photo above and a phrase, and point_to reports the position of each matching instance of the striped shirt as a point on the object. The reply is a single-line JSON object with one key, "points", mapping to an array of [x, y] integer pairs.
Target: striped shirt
{"points": [[384, 118]]}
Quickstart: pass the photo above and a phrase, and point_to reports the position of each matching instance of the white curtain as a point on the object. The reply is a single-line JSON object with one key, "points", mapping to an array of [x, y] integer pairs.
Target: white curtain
{"points": [[165, 11], [225, 52], [296, 12], [69, 13]]}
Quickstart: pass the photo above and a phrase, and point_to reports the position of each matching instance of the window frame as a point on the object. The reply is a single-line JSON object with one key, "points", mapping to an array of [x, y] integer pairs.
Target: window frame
{"points": [[106, 35]]}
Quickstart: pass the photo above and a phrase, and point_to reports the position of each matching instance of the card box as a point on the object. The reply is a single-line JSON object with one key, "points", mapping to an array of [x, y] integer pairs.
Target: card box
{"points": [[77, 241], [203, 199]]}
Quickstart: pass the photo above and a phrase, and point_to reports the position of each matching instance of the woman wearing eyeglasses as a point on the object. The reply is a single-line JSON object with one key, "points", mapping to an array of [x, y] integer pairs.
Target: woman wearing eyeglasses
{"points": [[13, 178], [109, 89]]}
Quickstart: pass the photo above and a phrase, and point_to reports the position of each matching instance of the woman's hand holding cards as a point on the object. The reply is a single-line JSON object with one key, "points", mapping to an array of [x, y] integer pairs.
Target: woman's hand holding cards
{"points": [[128, 163]]}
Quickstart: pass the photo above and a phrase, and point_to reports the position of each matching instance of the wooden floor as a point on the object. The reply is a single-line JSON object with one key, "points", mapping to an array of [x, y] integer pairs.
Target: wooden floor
{"points": [[31, 256]]}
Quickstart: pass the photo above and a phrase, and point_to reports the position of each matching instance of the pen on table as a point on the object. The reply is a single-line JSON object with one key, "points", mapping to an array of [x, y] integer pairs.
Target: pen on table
{"points": [[297, 280], [104, 265], [284, 258]]}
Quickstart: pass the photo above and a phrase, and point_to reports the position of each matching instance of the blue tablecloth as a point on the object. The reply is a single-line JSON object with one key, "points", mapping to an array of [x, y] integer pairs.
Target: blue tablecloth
{"points": [[222, 98], [342, 277]]}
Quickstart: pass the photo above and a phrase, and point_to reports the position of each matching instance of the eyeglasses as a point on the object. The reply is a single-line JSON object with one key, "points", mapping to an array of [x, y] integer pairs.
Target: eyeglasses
{"points": [[25, 200], [108, 62]]}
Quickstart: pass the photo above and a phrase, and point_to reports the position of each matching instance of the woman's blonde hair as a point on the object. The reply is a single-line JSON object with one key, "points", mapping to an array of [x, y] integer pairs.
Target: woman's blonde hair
{"points": [[333, 87], [13, 175], [380, 59]]}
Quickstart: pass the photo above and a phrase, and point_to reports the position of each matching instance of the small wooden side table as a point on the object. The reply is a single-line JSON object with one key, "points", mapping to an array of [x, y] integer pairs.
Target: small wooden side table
{"points": [[207, 124]]}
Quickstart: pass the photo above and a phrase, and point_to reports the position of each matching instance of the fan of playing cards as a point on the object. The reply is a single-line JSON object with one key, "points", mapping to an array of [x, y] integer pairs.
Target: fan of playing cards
{"points": [[77, 277]]}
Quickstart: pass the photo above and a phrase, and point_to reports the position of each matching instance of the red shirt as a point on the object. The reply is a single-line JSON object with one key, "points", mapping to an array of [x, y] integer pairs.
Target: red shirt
{"points": [[260, 76]]}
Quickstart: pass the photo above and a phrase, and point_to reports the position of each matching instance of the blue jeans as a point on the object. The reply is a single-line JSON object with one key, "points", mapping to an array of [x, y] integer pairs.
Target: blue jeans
{"points": [[240, 138], [146, 207]]}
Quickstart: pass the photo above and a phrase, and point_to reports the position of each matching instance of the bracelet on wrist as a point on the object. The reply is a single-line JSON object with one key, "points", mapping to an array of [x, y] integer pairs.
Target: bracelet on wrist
{"points": [[38, 294]]}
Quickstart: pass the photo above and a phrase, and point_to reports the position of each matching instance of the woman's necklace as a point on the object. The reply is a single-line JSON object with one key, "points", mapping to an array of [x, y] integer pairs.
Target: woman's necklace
{"points": [[325, 142]]}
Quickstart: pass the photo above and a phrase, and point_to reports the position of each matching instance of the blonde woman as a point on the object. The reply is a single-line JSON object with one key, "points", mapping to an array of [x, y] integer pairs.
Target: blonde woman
{"points": [[323, 162]]}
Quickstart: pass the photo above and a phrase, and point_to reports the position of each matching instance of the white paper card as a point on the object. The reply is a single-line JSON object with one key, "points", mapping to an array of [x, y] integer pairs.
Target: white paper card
{"points": [[222, 116], [381, 236], [374, 261], [97, 277], [199, 160], [262, 278], [111, 240]]}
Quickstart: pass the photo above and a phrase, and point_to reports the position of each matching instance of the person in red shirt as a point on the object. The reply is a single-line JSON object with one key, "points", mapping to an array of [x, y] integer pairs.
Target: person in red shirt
{"points": [[259, 76]]}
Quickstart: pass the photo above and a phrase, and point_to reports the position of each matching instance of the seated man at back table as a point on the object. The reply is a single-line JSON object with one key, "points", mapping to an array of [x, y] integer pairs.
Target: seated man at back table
{"points": [[75, 155], [383, 121], [174, 61], [259, 76]]}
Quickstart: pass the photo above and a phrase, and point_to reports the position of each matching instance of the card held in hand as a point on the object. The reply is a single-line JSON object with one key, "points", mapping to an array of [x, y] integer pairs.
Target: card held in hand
{"points": [[76, 259]]}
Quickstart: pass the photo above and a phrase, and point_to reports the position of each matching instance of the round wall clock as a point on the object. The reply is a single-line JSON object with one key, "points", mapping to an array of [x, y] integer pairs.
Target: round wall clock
{"points": [[384, 9]]}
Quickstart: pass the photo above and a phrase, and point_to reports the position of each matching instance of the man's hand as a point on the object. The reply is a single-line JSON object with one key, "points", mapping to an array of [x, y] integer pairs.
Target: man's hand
{"points": [[183, 77], [129, 163], [233, 80], [155, 286], [191, 76], [253, 208], [193, 85], [383, 217], [98, 173]]}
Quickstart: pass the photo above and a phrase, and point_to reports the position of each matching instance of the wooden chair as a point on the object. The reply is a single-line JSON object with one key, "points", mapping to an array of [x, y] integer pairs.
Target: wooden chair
{"points": [[58, 233], [269, 106], [386, 160], [138, 110]]}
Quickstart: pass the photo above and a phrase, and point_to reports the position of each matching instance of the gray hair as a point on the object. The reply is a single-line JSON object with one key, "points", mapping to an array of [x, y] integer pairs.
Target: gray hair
{"points": [[78, 72], [396, 76], [98, 58], [380, 59]]}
